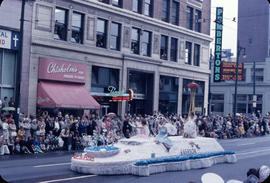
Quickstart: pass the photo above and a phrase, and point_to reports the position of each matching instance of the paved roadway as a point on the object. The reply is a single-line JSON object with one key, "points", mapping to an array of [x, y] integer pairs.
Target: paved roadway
{"points": [[55, 167]]}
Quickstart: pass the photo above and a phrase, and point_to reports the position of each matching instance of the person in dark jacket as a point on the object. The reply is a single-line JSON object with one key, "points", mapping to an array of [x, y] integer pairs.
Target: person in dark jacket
{"points": [[127, 128], [91, 127]]}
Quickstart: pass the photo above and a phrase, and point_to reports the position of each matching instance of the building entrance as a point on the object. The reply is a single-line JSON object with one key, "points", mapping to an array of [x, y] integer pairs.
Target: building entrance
{"points": [[142, 85]]}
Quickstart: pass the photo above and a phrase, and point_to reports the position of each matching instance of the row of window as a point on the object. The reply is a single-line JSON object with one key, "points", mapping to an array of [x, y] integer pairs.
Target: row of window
{"points": [[244, 105], [196, 54], [259, 75], [141, 40], [170, 11], [60, 29], [164, 48], [140, 6]]}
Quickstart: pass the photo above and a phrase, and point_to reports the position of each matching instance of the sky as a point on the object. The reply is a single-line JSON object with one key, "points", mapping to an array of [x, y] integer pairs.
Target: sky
{"points": [[229, 39]]}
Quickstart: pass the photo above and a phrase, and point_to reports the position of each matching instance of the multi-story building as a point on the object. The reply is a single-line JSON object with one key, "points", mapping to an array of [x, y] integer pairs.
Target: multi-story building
{"points": [[154, 47], [10, 16], [253, 39]]}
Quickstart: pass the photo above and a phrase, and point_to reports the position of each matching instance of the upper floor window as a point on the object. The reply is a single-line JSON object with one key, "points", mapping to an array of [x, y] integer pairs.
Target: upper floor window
{"points": [[174, 47], [165, 10], [258, 74], [189, 18], [101, 33], [164, 48], [197, 49], [148, 8], [198, 20], [77, 28], [188, 52], [244, 75], [60, 29], [136, 6], [135, 41], [115, 36], [117, 3], [146, 43], [175, 13], [105, 1]]}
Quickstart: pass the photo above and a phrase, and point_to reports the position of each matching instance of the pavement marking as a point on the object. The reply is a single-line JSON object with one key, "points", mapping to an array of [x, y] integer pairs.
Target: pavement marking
{"points": [[246, 144], [48, 165], [252, 152], [66, 179]]}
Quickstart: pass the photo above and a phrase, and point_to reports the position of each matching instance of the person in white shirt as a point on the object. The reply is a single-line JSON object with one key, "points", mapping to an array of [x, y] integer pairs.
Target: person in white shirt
{"points": [[3, 145], [5, 129]]}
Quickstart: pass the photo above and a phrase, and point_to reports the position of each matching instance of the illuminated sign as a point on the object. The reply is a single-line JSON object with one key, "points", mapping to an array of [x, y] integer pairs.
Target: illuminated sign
{"points": [[9, 39], [218, 44], [228, 71], [115, 96]]}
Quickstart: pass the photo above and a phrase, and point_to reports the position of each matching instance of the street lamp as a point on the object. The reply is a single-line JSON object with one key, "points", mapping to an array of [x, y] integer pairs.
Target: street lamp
{"points": [[239, 50]]}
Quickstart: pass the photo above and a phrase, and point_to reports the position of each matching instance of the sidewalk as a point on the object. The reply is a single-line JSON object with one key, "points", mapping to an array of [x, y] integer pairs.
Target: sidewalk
{"points": [[39, 155]]}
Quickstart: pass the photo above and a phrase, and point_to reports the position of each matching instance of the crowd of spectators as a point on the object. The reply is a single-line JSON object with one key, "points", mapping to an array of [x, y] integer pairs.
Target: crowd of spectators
{"points": [[43, 133]]}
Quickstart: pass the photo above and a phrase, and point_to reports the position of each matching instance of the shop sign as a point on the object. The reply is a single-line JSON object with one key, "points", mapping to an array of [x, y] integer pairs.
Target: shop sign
{"points": [[218, 44], [118, 96], [115, 93], [228, 71], [50, 69], [9, 39]]}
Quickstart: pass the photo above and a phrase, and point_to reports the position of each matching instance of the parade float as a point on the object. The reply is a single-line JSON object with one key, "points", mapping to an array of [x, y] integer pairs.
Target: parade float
{"points": [[143, 155]]}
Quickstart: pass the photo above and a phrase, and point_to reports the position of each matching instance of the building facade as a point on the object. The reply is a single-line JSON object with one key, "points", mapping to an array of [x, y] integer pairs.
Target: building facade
{"points": [[253, 38], [10, 13], [153, 47]]}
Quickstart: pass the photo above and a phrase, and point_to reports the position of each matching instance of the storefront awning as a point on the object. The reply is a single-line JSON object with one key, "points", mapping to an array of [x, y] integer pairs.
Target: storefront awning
{"points": [[65, 96]]}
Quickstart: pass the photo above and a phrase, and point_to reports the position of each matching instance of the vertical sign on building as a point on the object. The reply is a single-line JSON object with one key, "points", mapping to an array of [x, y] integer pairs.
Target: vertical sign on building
{"points": [[218, 44]]}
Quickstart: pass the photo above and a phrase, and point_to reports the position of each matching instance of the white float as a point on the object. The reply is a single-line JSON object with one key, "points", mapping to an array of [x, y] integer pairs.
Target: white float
{"points": [[143, 157]]}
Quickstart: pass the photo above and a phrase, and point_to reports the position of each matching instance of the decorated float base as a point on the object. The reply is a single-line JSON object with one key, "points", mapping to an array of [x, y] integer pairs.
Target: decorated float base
{"points": [[143, 157]]}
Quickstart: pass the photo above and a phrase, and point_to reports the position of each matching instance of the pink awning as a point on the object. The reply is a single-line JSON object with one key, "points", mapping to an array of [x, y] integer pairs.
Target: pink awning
{"points": [[65, 96]]}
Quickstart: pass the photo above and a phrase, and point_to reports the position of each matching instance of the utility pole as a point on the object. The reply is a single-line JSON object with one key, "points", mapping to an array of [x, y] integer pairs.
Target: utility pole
{"points": [[19, 66], [239, 49], [254, 98], [209, 85]]}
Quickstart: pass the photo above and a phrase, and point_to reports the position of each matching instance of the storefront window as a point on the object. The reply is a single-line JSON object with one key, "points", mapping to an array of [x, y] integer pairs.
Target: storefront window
{"points": [[168, 94], [7, 76], [102, 78], [217, 103], [137, 82], [245, 103], [199, 97]]}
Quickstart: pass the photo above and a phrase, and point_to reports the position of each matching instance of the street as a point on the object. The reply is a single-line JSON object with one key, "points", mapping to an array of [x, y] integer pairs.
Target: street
{"points": [[55, 167]]}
